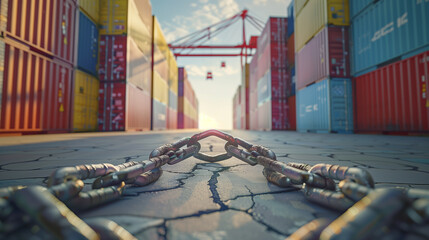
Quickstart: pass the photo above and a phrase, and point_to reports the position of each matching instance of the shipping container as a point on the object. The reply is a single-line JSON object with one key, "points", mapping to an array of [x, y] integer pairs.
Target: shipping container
{"points": [[113, 58], [85, 102], [387, 31], [122, 106], [172, 91], [48, 27], [290, 19], [298, 6], [394, 98], [87, 45], [291, 103], [316, 15], [245, 97], [187, 106], [160, 75], [91, 8], [293, 82], [356, 6], [113, 17], [4, 7], [36, 92], [138, 109], [326, 55], [236, 109], [291, 50], [325, 107]]}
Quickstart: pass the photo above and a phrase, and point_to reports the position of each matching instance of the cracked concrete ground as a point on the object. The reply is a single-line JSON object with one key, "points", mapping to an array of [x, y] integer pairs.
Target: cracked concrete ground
{"points": [[225, 200]]}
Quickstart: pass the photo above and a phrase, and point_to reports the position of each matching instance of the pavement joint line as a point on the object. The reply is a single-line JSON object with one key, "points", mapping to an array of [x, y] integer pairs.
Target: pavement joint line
{"points": [[264, 193], [33, 160]]}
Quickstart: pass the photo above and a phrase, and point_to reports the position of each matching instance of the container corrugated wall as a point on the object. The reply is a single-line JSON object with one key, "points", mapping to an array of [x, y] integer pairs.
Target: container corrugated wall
{"points": [[387, 31], [245, 97], [85, 102], [394, 98], [160, 74], [325, 106], [112, 106], [87, 46], [356, 6], [187, 106], [91, 8], [315, 15], [173, 86], [125, 63], [269, 83], [113, 17], [36, 94], [299, 5], [326, 55], [46, 26]]}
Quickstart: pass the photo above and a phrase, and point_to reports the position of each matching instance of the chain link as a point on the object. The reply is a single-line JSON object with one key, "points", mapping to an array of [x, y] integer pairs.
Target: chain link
{"points": [[346, 189]]}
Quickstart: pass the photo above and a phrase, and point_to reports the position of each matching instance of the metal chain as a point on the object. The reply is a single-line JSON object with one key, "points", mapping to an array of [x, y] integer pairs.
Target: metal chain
{"points": [[366, 209]]}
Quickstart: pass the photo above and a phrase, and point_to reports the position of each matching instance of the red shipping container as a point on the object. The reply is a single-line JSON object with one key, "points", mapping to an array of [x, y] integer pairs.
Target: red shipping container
{"points": [[123, 106], [394, 98], [47, 26], [112, 106], [291, 50], [36, 92], [291, 116], [326, 55], [113, 58]]}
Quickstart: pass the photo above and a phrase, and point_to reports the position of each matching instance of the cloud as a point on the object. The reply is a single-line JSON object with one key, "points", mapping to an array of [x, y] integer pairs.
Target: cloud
{"points": [[205, 13], [260, 2]]}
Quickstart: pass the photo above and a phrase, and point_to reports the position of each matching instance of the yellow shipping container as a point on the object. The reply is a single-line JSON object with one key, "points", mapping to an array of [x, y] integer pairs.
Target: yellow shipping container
{"points": [[113, 17], [91, 8], [317, 14], [85, 105], [160, 89], [140, 25], [298, 5], [173, 73]]}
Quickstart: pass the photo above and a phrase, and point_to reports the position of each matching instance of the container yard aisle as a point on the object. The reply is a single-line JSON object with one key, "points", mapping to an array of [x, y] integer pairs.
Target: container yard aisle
{"points": [[199, 200]]}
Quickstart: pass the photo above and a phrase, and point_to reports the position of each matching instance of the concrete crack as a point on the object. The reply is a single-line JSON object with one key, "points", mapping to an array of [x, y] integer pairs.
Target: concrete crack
{"points": [[213, 188]]}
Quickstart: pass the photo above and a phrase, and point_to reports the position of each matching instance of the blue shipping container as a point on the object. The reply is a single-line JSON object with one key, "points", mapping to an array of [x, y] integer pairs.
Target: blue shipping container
{"points": [[87, 57], [356, 6], [387, 30], [326, 106], [290, 20]]}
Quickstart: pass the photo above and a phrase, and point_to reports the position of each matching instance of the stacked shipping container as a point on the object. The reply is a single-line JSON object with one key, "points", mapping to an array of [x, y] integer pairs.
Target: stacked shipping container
{"points": [[125, 65], [244, 97], [390, 64], [291, 66], [37, 61], [86, 84], [236, 109], [324, 97], [269, 81], [187, 104]]}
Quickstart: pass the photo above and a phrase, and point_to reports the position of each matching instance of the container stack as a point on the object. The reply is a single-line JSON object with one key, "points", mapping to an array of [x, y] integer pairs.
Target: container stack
{"points": [[86, 83], [173, 88], [125, 65], [269, 81], [291, 66], [390, 64], [161, 86], [324, 91], [187, 104], [237, 109], [38, 56], [244, 98]]}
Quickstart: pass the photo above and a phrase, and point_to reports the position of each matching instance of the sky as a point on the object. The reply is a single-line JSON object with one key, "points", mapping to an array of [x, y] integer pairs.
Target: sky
{"points": [[179, 18]]}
